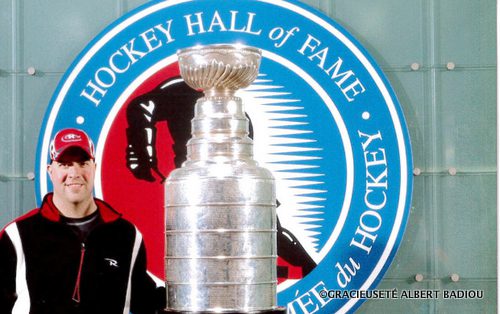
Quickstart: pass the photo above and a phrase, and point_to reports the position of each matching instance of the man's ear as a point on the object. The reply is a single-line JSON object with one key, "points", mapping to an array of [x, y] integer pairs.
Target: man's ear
{"points": [[49, 170]]}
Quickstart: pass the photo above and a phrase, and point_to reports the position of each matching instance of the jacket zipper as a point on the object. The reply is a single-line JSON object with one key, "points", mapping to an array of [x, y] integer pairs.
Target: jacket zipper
{"points": [[76, 291]]}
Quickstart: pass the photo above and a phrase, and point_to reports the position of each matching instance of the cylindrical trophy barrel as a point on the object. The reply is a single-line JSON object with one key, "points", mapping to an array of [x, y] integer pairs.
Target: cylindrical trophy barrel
{"points": [[220, 205]]}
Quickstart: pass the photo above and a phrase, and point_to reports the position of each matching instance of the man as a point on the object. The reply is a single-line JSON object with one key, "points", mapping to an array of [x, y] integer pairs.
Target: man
{"points": [[74, 254]]}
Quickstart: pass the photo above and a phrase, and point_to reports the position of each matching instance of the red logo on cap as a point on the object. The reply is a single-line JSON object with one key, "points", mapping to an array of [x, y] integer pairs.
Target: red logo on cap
{"points": [[69, 138]]}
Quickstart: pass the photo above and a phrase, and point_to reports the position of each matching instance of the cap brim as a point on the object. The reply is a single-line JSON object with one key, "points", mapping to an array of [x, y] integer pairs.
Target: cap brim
{"points": [[76, 148]]}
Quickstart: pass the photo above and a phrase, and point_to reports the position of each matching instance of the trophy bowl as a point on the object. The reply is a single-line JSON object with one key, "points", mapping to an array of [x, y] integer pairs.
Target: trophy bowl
{"points": [[223, 67]]}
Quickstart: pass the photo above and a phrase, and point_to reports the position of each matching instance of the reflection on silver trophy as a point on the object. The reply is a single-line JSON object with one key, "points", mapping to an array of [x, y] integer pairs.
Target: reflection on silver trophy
{"points": [[220, 205]]}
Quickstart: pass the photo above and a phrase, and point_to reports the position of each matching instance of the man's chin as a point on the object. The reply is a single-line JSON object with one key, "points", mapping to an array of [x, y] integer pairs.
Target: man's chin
{"points": [[77, 197]]}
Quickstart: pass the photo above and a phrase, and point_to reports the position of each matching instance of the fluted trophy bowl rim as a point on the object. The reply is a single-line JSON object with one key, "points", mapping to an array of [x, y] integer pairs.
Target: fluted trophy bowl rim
{"points": [[229, 46], [219, 67]]}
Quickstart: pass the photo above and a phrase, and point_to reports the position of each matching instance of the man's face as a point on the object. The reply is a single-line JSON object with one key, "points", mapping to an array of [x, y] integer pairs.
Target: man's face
{"points": [[72, 177]]}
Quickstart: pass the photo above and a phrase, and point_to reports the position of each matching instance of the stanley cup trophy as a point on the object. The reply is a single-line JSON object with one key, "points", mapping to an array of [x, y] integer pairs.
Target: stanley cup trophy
{"points": [[220, 205]]}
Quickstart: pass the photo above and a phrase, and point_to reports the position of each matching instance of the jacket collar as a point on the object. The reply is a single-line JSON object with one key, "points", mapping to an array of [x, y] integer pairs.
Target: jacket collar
{"points": [[50, 211]]}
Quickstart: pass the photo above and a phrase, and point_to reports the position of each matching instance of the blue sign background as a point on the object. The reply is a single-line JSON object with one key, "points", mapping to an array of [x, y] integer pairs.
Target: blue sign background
{"points": [[302, 50]]}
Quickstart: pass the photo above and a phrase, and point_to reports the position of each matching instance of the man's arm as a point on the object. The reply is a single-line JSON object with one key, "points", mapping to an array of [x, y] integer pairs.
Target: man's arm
{"points": [[147, 297], [8, 261]]}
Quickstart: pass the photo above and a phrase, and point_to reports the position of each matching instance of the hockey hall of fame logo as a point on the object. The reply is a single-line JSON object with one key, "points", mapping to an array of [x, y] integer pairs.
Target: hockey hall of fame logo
{"points": [[323, 119]]}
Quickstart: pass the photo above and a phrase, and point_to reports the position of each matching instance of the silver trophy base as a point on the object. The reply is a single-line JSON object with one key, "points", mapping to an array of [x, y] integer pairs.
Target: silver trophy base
{"points": [[278, 310]]}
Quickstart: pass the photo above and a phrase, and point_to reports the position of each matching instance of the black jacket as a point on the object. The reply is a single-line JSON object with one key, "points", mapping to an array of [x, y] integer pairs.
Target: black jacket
{"points": [[44, 267]]}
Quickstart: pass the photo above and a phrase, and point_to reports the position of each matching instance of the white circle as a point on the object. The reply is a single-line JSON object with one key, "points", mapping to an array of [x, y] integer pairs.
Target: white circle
{"points": [[31, 71], [317, 256], [80, 120], [374, 74], [365, 115]]}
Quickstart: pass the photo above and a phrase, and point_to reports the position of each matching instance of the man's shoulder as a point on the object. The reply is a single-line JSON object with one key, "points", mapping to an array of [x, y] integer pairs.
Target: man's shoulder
{"points": [[26, 218], [113, 217], [126, 224], [107, 212]]}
